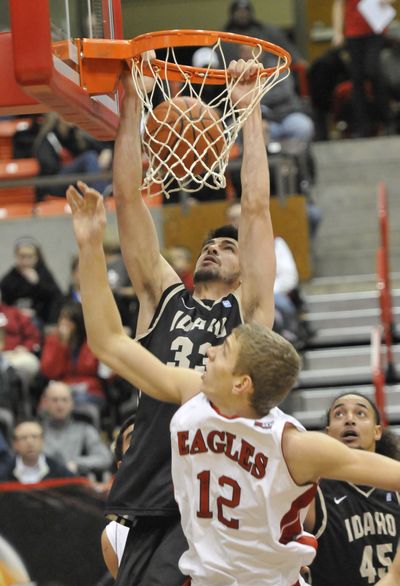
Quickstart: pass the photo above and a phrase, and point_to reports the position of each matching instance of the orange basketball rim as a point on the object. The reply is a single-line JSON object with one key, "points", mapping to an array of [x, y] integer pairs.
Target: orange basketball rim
{"points": [[102, 60]]}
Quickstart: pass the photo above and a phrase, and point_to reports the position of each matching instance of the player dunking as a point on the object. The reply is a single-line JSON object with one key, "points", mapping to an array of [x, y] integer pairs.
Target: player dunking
{"points": [[357, 524], [233, 283], [243, 471]]}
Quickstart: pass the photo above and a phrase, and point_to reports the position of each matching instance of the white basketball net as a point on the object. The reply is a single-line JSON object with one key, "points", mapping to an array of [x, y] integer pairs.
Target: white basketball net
{"points": [[231, 121]]}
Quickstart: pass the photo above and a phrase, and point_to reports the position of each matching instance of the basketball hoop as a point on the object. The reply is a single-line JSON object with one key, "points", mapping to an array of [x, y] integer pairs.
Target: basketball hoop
{"points": [[101, 63], [192, 83]]}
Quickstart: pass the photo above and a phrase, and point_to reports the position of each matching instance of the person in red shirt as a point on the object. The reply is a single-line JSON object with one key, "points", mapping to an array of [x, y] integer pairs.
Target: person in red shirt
{"points": [[364, 46], [66, 357], [22, 339]]}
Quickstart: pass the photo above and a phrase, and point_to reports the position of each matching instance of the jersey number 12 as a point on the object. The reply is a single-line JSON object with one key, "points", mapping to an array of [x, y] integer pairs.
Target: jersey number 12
{"points": [[223, 502]]}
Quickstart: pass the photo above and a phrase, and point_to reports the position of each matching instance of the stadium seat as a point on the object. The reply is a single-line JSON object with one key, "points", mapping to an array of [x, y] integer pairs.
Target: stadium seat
{"points": [[18, 169], [7, 130], [16, 210], [52, 206]]}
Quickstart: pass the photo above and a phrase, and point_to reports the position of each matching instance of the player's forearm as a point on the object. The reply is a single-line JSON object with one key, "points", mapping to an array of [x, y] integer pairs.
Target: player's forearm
{"points": [[374, 470], [329, 458], [256, 240], [102, 319], [106, 336], [127, 164], [138, 235], [254, 171]]}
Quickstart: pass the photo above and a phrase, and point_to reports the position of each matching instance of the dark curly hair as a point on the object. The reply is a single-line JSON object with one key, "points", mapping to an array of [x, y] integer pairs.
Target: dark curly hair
{"points": [[227, 231]]}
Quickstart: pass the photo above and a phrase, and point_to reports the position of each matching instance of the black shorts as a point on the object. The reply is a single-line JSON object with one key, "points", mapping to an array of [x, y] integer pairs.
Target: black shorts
{"points": [[152, 552]]}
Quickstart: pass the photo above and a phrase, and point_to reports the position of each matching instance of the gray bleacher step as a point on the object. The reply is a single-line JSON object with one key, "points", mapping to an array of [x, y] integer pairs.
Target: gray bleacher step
{"points": [[346, 283], [347, 301], [348, 318], [335, 376], [342, 357], [320, 398], [325, 337]]}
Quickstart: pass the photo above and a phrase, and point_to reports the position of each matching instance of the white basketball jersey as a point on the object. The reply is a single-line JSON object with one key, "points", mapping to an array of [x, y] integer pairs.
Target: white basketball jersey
{"points": [[241, 510]]}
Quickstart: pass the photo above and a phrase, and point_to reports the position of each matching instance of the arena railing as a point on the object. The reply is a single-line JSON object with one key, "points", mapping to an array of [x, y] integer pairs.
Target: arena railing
{"points": [[384, 281], [378, 373]]}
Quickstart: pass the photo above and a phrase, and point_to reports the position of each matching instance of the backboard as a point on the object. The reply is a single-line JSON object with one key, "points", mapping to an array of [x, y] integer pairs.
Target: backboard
{"points": [[39, 70]]}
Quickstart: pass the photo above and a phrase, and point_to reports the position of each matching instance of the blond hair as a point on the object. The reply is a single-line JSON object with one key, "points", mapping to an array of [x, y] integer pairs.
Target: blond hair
{"points": [[271, 362]]}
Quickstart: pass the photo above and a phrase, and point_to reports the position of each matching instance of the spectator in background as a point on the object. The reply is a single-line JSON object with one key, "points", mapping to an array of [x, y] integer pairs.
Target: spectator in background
{"points": [[364, 46], [242, 21], [289, 299], [63, 149], [290, 125], [66, 357], [10, 383], [29, 464], [180, 259], [73, 293], [120, 283], [287, 279], [282, 106], [114, 536], [324, 74], [77, 444], [29, 284], [22, 341], [301, 159]]}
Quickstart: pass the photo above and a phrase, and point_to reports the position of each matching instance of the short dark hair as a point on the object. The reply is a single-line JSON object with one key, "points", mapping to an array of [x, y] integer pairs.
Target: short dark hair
{"points": [[73, 311], [118, 453], [226, 231], [22, 420]]}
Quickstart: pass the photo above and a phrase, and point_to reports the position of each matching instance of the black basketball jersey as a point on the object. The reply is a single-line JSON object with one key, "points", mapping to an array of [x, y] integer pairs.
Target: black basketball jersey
{"points": [[180, 333], [358, 529]]}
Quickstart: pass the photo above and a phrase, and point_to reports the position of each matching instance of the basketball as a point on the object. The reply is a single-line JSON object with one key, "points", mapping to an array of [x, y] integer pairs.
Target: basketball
{"points": [[185, 135]]}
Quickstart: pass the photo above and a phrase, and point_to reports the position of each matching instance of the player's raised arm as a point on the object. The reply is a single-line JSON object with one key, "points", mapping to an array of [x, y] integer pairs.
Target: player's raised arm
{"points": [[105, 333], [314, 455], [149, 272], [256, 240]]}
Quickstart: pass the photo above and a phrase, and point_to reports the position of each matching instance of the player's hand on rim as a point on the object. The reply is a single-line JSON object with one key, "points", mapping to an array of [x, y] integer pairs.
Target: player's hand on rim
{"points": [[245, 73], [147, 82], [88, 214]]}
